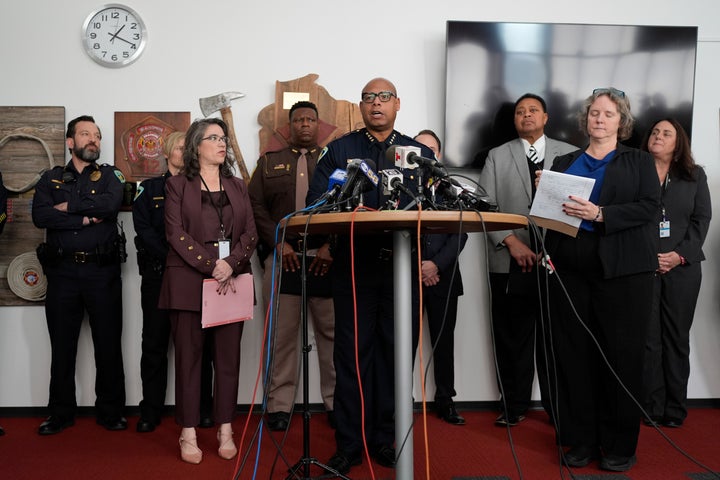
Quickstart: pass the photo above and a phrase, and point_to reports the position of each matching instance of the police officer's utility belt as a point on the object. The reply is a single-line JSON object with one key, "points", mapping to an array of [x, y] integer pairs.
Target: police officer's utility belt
{"points": [[104, 255]]}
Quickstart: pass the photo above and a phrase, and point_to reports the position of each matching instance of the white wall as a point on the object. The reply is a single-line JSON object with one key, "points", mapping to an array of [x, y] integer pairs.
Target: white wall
{"points": [[198, 49]]}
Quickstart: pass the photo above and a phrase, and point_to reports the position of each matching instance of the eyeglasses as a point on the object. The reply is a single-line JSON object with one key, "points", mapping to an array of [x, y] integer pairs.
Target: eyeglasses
{"points": [[614, 91], [216, 139], [369, 97]]}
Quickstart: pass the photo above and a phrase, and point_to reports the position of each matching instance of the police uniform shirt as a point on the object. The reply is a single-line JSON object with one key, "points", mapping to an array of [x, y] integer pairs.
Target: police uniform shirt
{"points": [[96, 192], [361, 144], [149, 216]]}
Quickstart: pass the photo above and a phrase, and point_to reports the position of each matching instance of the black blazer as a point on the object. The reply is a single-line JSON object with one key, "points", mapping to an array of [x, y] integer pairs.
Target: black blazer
{"points": [[688, 209], [630, 198], [443, 250]]}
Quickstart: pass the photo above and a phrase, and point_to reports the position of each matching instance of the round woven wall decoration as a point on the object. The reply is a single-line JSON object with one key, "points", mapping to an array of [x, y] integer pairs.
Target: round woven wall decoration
{"points": [[26, 278]]}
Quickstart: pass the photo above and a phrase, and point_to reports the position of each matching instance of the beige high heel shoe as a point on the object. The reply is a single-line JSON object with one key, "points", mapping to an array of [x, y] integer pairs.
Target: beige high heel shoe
{"points": [[227, 449], [189, 450]]}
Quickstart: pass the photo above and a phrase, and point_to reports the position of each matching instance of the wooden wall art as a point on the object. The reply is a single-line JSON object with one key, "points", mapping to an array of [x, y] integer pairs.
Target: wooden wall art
{"points": [[32, 140], [337, 117]]}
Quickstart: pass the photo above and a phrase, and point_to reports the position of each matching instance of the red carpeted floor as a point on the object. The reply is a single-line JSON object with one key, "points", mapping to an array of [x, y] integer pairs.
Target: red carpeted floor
{"points": [[476, 451]]}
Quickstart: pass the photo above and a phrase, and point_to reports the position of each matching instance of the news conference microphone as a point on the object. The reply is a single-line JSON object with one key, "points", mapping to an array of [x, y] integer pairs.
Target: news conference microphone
{"points": [[390, 179], [398, 154], [392, 182], [335, 183], [351, 173], [368, 181]]}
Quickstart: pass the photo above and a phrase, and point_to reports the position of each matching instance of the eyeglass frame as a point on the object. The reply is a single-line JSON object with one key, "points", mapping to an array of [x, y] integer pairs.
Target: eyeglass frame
{"points": [[611, 90], [377, 95], [217, 138]]}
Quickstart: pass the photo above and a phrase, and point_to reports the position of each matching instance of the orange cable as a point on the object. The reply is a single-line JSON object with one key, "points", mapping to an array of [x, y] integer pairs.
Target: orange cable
{"points": [[420, 346], [355, 326]]}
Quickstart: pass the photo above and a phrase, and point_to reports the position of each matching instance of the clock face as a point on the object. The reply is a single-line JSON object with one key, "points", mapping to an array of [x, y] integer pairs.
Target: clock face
{"points": [[114, 35]]}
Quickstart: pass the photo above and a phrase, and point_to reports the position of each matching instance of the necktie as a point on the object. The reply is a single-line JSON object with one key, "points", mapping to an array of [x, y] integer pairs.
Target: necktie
{"points": [[301, 180], [533, 155]]}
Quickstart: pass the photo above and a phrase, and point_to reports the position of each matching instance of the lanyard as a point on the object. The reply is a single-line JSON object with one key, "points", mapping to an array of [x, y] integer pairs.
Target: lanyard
{"points": [[219, 208]]}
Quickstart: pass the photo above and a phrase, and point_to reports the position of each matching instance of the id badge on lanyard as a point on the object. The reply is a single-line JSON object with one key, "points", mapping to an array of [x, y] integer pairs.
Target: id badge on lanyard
{"points": [[664, 226], [223, 248]]}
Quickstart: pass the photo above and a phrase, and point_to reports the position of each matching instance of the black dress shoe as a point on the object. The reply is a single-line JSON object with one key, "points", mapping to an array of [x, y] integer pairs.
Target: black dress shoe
{"points": [[580, 456], [2, 431], [617, 463], [342, 462], [278, 421], [145, 426], [331, 419], [385, 456], [504, 420], [206, 421], [113, 424], [654, 420], [448, 413], [55, 424], [672, 422]]}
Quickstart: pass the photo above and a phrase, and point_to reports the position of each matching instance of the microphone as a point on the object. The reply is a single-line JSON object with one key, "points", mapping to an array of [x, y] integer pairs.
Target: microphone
{"points": [[415, 158], [351, 173], [398, 156], [335, 183], [365, 182], [392, 181]]}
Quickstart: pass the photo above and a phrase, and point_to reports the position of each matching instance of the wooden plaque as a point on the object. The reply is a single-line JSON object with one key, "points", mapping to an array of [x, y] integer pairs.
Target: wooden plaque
{"points": [[139, 140]]}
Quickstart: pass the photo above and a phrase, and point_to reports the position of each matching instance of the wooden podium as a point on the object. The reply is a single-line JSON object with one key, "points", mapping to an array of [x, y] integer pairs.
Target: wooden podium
{"points": [[403, 224]]}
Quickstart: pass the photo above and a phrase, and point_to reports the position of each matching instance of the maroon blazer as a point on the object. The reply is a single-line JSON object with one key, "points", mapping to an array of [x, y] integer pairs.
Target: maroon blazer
{"points": [[189, 262]]}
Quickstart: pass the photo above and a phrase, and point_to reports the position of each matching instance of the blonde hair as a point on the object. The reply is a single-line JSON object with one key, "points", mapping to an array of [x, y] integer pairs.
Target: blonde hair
{"points": [[170, 141], [623, 105]]}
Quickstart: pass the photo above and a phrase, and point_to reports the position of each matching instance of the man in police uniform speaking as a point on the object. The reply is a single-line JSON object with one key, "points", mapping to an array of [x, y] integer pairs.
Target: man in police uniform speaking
{"points": [[78, 204], [379, 105]]}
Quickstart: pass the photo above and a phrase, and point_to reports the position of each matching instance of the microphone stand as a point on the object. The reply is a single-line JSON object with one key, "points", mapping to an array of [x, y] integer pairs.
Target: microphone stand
{"points": [[306, 460]]}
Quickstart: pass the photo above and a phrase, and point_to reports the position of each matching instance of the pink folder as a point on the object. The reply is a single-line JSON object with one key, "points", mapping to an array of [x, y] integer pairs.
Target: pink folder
{"points": [[228, 308]]}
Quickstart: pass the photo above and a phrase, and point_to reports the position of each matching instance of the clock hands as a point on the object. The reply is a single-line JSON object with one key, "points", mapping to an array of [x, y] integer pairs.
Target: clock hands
{"points": [[113, 37]]}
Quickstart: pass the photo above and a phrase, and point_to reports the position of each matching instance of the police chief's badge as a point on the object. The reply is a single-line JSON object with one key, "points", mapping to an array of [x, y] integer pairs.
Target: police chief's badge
{"points": [[95, 176]]}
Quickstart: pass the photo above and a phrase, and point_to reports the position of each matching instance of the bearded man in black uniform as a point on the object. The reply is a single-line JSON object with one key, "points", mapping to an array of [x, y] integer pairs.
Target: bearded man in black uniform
{"points": [[78, 204]]}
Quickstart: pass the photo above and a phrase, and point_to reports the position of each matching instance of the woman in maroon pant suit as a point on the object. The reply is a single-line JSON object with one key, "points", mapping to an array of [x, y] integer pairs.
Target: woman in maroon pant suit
{"points": [[206, 208]]}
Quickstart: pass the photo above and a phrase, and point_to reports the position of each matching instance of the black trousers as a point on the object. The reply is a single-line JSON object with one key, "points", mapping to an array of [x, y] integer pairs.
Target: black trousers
{"points": [[667, 355], [519, 339], [74, 289], [154, 359], [592, 407], [441, 324], [375, 346]]}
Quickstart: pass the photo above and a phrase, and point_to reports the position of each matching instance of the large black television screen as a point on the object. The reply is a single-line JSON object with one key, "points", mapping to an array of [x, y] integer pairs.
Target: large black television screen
{"points": [[490, 65]]}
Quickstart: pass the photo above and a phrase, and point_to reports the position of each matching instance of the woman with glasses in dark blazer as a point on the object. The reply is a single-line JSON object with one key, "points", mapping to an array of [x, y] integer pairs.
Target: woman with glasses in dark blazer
{"points": [[210, 228], [604, 302]]}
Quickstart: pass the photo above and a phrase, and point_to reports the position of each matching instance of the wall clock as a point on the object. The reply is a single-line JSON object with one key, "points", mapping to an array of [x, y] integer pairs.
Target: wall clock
{"points": [[114, 35]]}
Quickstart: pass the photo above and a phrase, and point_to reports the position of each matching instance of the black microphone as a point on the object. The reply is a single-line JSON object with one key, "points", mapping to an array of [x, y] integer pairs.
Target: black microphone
{"points": [[365, 182], [421, 161], [351, 170]]}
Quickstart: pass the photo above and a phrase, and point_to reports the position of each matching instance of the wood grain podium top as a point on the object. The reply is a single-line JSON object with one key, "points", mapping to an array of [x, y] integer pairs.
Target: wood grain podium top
{"points": [[431, 221]]}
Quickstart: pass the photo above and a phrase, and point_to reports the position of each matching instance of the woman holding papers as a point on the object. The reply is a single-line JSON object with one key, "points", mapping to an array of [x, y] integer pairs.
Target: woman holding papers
{"points": [[605, 298], [211, 231], [683, 220]]}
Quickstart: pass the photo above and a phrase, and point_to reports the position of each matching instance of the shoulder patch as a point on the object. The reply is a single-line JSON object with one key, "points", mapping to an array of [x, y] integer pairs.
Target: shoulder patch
{"points": [[140, 189], [119, 175], [322, 153]]}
